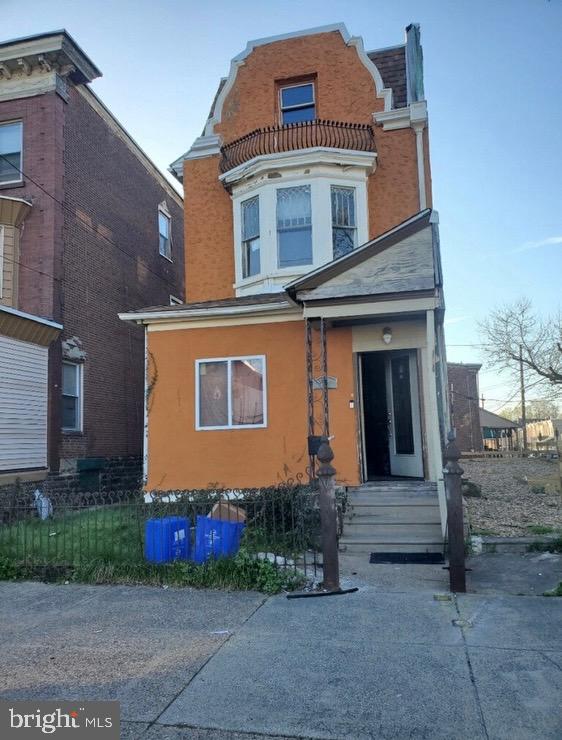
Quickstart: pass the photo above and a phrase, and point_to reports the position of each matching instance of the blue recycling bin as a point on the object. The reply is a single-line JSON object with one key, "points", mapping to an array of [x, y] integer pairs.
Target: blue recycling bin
{"points": [[216, 538], [167, 539]]}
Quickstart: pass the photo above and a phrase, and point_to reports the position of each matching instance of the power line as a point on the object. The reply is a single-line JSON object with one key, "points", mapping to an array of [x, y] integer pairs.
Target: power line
{"points": [[83, 222]]}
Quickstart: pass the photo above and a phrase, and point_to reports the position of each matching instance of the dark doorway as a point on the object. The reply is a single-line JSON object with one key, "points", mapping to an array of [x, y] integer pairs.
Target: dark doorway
{"points": [[375, 414]]}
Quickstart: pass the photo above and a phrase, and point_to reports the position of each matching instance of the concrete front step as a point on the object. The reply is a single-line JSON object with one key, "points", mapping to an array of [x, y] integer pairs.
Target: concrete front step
{"points": [[392, 514], [359, 546], [396, 532]]}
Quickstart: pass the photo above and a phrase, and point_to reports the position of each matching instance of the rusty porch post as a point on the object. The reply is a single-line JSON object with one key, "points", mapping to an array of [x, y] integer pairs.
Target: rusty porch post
{"points": [[328, 516], [455, 528]]}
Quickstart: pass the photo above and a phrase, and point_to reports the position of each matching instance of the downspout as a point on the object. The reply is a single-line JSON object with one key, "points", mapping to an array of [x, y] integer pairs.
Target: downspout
{"points": [[145, 412]]}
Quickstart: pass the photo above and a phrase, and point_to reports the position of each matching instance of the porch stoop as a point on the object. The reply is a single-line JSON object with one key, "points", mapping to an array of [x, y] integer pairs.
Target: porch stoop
{"points": [[392, 516]]}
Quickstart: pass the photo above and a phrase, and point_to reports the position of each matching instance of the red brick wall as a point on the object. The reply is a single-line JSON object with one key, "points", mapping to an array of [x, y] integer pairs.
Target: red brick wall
{"points": [[73, 154], [107, 187], [463, 393]]}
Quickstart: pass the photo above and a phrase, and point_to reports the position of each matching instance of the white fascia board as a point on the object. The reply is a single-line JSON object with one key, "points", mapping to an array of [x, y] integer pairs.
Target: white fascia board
{"points": [[198, 313], [204, 146], [300, 158], [30, 317], [413, 114]]}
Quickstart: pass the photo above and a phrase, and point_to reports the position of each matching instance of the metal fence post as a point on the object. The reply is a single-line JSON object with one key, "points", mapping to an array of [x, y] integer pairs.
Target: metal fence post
{"points": [[453, 489], [328, 516]]}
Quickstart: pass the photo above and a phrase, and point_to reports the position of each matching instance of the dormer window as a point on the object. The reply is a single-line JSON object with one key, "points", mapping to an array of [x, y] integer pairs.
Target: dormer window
{"points": [[294, 226], [251, 237], [297, 103]]}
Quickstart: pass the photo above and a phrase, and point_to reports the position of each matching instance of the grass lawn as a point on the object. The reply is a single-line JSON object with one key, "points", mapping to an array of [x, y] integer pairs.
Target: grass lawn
{"points": [[112, 533]]}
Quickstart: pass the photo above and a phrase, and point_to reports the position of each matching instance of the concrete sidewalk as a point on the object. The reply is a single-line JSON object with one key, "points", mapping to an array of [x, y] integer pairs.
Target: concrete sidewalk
{"points": [[379, 663]]}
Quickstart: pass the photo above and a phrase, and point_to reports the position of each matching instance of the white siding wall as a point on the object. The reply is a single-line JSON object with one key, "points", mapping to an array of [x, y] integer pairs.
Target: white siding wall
{"points": [[23, 405]]}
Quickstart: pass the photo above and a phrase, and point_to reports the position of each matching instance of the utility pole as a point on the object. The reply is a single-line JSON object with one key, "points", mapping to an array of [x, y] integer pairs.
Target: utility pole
{"points": [[522, 381]]}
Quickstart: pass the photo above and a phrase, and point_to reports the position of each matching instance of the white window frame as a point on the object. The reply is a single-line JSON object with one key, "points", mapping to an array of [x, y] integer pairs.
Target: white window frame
{"points": [[243, 241], [283, 108], [352, 189], [306, 265], [174, 301], [164, 212], [229, 361], [80, 406], [19, 177]]}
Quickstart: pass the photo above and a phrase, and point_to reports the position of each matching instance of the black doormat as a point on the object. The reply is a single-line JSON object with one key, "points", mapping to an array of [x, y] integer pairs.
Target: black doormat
{"points": [[422, 558]]}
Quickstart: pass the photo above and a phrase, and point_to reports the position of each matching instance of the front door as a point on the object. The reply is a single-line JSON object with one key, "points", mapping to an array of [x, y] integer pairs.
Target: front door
{"points": [[403, 408]]}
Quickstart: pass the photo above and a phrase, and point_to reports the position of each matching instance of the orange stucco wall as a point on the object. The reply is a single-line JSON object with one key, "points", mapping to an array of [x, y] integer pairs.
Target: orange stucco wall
{"points": [[345, 91], [182, 457]]}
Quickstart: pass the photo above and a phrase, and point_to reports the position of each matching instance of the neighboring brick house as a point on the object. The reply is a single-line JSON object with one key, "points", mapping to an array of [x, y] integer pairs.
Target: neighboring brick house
{"points": [[313, 267], [463, 395], [89, 227]]}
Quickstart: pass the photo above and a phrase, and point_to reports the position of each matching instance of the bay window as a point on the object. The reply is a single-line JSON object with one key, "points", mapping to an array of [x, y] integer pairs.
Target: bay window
{"points": [[251, 237], [344, 227], [230, 393], [294, 226]]}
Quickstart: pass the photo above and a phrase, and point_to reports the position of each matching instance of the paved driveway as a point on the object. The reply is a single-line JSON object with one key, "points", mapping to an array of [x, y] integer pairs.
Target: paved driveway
{"points": [[374, 664]]}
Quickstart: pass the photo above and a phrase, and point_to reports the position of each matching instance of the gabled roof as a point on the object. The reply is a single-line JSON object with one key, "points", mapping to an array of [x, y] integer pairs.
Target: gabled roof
{"points": [[493, 421], [370, 249]]}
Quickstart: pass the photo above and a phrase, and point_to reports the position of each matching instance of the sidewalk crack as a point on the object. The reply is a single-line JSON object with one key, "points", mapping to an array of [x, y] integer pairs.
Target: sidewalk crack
{"points": [[471, 672]]}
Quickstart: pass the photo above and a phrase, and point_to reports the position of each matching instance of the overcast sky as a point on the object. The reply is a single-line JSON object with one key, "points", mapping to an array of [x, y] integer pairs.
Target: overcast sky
{"points": [[493, 81]]}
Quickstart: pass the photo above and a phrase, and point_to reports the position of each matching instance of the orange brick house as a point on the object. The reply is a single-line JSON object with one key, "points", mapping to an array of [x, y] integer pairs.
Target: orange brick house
{"points": [[313, 277]]}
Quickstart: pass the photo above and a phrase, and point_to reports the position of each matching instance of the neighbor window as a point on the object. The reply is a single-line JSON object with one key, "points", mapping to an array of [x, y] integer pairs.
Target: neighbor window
{"points": [[165, 245], [251, 237], [71, 397], [344, 226], [230, 393], [297, 103], [294, 226], [10, 152]]}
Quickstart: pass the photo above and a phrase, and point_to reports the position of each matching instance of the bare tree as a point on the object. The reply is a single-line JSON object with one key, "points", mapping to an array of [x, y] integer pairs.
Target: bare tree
{"points": [[515, 334]]}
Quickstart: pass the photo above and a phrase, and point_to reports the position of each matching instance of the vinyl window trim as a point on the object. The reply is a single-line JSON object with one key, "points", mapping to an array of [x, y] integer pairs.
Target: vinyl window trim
{"points": [[229, 361], [19, 178], [164, 212]]}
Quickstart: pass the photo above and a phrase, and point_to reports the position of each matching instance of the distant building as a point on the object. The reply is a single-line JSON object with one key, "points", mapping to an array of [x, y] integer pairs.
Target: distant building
{"points": [[498, 433], [463, 395]]}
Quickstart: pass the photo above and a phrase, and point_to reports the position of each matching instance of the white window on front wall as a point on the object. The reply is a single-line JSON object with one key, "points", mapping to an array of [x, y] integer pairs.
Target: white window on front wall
{"points": [[251, 237], [71, 397], [344, 225], [230, 393], [10, 152], [294, 226], [164, 240]]}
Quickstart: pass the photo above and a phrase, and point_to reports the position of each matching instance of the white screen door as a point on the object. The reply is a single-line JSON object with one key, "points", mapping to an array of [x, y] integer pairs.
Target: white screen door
{"points": [[402, 397]]}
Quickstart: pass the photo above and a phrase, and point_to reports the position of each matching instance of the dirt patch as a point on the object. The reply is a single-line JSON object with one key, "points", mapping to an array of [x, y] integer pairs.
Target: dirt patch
{"points": [[510, 505]]}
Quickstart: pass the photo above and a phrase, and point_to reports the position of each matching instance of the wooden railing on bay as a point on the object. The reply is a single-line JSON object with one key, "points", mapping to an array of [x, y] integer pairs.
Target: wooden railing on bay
{"points": [[319, 133]]}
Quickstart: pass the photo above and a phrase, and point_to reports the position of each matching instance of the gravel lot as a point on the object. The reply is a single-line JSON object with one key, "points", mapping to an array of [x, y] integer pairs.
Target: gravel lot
{"points": [[508, 506]]}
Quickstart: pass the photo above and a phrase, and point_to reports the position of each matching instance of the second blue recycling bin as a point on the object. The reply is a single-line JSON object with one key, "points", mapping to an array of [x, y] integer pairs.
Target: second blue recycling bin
{"points": [[215, 538], [167, 539]]}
